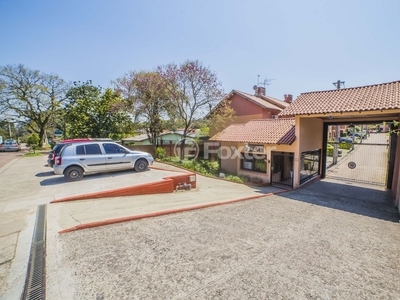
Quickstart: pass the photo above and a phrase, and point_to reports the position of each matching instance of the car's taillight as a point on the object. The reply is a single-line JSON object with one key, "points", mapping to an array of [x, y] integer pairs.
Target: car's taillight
{"points": [[58, 160]]}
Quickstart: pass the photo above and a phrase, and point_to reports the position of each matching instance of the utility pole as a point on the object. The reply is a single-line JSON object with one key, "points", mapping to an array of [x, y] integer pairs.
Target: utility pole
{"points": [[338, 85], [9, 129]]}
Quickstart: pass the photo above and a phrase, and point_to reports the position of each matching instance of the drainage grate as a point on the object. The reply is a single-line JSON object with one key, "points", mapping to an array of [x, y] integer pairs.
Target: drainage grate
{"points": [[35, 278]]}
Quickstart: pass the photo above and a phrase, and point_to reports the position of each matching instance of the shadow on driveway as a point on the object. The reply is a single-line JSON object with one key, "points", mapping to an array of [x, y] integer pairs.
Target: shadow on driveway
{"points": [[349, 197], [59, 179]]}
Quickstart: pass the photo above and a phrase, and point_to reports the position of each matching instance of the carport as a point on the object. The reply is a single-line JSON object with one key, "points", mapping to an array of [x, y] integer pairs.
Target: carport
{"points": [[314, 112]]}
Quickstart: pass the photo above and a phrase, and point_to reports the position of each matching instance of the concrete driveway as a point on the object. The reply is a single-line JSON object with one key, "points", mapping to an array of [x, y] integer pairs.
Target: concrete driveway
{"points": [[324, 241], [27, 182]]}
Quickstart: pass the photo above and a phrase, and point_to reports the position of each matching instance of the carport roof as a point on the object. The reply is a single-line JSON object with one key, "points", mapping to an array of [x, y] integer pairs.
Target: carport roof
{"points": [[267, 131], [364, 98]]}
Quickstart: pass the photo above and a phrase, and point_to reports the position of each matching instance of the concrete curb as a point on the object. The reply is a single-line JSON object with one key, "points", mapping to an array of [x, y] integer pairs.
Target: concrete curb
{"points": [[166, 185]]}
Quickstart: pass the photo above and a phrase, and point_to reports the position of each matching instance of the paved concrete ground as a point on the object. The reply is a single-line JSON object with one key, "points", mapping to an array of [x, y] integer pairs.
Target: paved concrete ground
{"points": [[370, 158], [209, 191], [26, 183], [325, 241]]}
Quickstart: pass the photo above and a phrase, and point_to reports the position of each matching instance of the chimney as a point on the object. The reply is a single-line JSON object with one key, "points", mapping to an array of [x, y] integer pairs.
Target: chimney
{"points": [[260, 91], [288, 98]]}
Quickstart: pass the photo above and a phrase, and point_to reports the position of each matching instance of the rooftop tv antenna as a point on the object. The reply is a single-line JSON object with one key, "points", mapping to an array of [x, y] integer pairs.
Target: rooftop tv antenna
{"points": [[265, 82]]}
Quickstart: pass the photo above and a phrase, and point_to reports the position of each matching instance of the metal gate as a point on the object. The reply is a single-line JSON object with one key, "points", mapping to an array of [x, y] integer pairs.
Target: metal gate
{"points": [[365, 160], [282, 169], [309, 165]]}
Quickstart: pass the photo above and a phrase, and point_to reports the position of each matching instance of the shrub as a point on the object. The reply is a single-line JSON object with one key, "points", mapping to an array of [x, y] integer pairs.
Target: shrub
{"points": [[172, 159], [234, 178], [205, 167], [345, 146], [246, 178], [160, 153], [33, 141], [212, 166]]}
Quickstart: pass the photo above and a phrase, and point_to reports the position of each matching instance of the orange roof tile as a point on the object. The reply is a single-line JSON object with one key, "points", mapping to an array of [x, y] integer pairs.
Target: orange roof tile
{"points": [[363, 98], [263, 101], [266, 131]]}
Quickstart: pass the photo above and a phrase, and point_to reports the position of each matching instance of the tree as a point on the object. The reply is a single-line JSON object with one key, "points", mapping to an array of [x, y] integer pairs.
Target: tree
{"points": [[146, 98], [33, 141], [193, 89], [220, 117], [92, 112], [31, 97]]}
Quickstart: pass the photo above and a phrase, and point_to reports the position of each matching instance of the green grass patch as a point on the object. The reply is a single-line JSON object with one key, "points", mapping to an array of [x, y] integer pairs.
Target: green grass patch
{"points": [[32, 154]]}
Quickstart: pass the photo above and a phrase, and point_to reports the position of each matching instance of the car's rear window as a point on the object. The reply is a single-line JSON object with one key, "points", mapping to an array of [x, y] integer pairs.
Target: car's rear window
{"points": [[57, 148], [90, 149]]}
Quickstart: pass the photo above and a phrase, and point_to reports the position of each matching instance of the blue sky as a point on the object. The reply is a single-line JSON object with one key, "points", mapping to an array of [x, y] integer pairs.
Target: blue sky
{"points": [[302, 45]]}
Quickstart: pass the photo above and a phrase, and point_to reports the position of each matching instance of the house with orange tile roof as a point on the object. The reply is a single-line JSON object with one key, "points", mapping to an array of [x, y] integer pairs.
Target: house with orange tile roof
{"points": [[251, 107], [248, 149], [295, 145], [254, 133]]}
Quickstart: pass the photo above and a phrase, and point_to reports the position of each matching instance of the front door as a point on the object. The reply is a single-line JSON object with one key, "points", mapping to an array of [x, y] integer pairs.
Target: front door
{"points": [[282, 169]]}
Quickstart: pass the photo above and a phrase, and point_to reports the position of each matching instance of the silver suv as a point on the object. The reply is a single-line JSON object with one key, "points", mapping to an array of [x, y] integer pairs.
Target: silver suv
{"points": [[76, 159]]}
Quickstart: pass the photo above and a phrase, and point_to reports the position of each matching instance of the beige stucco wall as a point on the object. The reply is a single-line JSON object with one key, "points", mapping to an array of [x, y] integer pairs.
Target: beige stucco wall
{"points": [[311, 133], [228, 164], [396, 177], [233, 165]]}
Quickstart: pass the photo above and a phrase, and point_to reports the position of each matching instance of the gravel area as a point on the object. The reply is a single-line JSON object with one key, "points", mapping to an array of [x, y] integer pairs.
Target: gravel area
{"points": [[277, 247]]}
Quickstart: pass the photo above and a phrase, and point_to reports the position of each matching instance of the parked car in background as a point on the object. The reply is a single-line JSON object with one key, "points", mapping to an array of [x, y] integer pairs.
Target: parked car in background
{"points": [[357, 136], [57, 149], [77, 159], [345, 140], [10, 145]]}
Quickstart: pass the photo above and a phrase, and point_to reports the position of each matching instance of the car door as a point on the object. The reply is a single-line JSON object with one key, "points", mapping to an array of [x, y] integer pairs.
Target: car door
{"points": [[117, 157], [91, 157]]}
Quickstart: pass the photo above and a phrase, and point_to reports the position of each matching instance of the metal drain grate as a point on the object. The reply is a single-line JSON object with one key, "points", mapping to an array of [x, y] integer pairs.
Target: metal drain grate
{"points": [[35, 278]]}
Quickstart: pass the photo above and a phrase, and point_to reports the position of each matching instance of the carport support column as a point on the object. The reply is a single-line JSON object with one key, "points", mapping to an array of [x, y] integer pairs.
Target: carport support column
{"points": [[296, 164], [335, 145]]}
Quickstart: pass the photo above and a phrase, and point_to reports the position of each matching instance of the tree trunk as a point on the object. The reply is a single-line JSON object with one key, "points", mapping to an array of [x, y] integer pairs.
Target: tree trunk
{"points": [[182, 152], [41, 137]]}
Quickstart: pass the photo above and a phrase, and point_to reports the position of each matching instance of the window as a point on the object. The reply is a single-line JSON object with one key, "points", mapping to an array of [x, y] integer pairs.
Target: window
{"points": [[89, 149], [254, 162], [113, 149]]}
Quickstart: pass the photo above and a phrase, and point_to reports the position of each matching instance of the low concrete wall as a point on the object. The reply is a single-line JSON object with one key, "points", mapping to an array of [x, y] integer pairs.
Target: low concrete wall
{"points": [[167, 185]]}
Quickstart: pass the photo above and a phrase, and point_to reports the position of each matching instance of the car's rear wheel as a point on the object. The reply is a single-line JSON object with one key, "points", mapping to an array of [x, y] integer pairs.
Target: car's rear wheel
{"points": [[141, 165], [73, 173]]}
